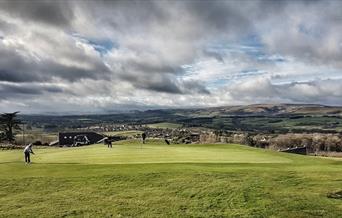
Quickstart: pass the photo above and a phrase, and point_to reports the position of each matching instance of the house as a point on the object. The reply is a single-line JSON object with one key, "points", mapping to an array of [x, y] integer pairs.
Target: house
{"points": [[68, 138]]}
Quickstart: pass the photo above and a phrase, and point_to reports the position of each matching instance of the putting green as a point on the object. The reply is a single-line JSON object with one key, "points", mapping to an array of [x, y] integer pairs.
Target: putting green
{"points": [[127, 152]]}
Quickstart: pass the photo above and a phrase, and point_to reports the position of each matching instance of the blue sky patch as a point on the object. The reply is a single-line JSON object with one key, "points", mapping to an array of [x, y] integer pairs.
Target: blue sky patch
{"points": [[102, 46]]}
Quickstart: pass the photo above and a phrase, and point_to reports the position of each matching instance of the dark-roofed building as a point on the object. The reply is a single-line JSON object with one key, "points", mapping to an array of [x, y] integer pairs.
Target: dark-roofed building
{"points": [[68, 138], [296, 150]]}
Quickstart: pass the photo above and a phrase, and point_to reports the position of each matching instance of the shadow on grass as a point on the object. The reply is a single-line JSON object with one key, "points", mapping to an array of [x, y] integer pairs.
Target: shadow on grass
{"points": [[335, 195]]}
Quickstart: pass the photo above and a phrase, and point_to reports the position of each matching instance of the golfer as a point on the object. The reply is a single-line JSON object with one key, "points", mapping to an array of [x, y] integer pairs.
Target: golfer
{"points": [[27, 152], [143, 135]]}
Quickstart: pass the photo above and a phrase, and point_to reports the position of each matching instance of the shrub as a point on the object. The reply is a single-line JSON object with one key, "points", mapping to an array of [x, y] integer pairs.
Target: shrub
{"points": [[37, 142]]}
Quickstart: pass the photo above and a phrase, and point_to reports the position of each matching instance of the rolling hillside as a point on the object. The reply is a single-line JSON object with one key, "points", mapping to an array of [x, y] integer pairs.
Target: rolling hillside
{"points": [[260, 118]]}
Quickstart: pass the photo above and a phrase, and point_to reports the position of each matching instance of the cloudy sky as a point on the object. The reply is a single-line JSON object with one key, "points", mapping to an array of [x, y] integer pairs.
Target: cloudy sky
{"points": [[100, 56]]}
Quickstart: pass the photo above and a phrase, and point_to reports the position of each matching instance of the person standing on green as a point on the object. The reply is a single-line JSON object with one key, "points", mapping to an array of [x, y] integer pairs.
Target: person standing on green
{"points": [[143, 135], [28, 151]]}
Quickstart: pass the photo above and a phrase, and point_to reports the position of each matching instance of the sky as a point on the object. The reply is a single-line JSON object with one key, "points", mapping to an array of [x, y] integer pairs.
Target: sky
{"points": [[104, 56]]}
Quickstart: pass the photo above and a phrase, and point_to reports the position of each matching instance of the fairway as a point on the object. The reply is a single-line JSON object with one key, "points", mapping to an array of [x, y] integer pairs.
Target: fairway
{"points": [[159, 180]]}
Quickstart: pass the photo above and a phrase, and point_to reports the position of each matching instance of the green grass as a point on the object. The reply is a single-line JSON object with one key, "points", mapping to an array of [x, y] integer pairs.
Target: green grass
{"points": [[165, 125], [318, 122], [220, 180]]}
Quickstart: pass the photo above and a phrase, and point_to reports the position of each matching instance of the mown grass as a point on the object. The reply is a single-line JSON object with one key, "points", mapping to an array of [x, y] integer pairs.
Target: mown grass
{"points": [[168, 181]]}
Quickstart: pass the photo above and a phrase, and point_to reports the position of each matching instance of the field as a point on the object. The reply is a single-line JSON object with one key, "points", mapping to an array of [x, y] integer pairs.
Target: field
{"points": [[269, 118], [165, 125], [157, 180], [34, 136]]}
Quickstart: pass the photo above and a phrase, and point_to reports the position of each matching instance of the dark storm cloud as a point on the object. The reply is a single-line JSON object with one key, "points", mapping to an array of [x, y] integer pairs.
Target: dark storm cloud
{"points": [[10, 90], [154, 82], [73, 73], [165, 83], [195, 87], [166, 86], [5, 27], [58, 13], [14, 68], [172, 87], [17, 67], [219, 15], [18, 70], [152, 68], [115, 13]]}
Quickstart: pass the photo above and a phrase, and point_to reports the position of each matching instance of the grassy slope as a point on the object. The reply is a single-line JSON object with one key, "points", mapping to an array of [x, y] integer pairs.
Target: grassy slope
{"points": [[221, 180]]}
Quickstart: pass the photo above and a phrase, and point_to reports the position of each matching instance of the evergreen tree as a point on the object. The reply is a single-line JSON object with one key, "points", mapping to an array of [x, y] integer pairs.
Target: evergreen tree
{"points": [[9, 123]]}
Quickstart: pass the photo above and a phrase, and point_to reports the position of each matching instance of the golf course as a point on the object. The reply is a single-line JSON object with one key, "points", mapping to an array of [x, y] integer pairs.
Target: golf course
{"points": [[158, 180]]}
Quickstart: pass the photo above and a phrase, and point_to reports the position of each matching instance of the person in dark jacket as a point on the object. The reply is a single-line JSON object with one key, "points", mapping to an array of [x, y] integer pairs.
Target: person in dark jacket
{"points": [[143, 136], [27, 152]]}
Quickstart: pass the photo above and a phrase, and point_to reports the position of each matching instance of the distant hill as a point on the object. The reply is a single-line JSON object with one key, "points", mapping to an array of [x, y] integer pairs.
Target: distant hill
{"points": [[270, 109], [255, 118]]}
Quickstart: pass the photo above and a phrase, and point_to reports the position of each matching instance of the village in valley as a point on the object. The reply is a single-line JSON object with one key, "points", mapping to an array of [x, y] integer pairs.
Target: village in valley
{"points": [[324, 140]]}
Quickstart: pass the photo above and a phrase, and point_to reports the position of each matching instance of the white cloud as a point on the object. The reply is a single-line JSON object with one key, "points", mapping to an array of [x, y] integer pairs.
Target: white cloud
{"points": [[168, 54]]}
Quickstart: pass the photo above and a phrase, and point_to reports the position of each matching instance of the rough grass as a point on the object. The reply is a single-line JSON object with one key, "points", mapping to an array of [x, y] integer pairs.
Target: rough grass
{"points": [[168, 181]]}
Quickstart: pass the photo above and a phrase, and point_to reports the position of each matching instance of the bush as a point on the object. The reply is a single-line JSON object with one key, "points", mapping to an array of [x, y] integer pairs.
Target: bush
{"points": [[37, 143]]}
